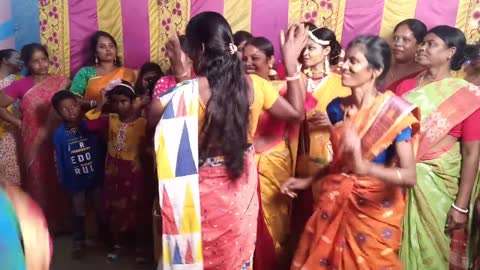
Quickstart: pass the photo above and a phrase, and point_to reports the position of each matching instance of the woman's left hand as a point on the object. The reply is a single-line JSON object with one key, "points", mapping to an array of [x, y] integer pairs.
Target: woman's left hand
{"points": [[318, 120], [455, 220]]}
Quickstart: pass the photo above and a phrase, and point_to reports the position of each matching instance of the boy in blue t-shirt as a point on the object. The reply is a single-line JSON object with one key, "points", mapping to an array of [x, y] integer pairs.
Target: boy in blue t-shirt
{"points": [[79, 163]]}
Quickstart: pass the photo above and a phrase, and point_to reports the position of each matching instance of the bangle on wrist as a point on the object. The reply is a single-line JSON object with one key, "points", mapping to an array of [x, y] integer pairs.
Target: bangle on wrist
{"points": [[461, 210], [293, 78], [399, 176], [93, 103]]}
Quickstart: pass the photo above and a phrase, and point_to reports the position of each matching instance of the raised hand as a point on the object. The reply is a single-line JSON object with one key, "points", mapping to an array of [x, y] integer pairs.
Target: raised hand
{"points": [[293, 43], [176, 55]]}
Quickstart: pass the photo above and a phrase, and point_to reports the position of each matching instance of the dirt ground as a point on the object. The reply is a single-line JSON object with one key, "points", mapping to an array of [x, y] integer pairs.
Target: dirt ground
{"points": [[94, 259]]}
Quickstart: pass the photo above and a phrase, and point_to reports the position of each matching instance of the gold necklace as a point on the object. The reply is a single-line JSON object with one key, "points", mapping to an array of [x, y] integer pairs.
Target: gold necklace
{"points": [[314, 75]]}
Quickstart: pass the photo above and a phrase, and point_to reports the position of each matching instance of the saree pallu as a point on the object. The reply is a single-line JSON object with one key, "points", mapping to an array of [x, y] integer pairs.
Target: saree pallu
{"points": [[9, 168], [316, 150], [41, 178], [29, 246], [356, 222], [274, 169], [275, 163], [98, 83], [444, 105]]}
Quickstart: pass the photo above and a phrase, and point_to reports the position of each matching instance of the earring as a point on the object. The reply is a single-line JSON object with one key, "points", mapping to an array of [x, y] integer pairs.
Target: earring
{"points": [[115, 61], [326, 66], [96, 60], [272, 72]]}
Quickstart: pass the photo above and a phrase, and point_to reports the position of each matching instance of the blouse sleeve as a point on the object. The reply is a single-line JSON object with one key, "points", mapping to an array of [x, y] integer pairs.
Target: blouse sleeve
{"points": [[163, 85], [15, 90], [334, 111], [80, 81], [470, 127], [405, 135], [270, 95]]}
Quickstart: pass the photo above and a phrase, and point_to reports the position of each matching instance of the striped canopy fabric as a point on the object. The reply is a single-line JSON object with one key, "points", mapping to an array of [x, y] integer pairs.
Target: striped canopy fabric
{"points": [[142, 27]]}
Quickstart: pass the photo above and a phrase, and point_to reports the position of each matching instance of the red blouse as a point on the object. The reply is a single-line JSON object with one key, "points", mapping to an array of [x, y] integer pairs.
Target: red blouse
{"points": [[468, 130]]}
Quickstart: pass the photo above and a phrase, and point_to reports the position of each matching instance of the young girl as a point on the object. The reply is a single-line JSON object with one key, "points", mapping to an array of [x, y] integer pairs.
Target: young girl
{"points": [[126, 206], [147, 78]]}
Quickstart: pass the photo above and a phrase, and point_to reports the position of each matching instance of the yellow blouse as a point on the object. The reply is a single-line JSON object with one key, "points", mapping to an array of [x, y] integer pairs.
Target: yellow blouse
{"points": [[125, 139], [264, 96]]}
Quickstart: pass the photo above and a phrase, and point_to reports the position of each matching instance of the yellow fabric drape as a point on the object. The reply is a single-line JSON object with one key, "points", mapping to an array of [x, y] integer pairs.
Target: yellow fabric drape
{"points": [[466, 21], [56, 39], [238, 14], [274, 169], [110, 20], [174, 21], [294, 11], [395, 11], [153, 20]]}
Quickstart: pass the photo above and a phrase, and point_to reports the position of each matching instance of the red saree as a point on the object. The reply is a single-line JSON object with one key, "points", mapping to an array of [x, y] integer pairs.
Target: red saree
{"points": [[41, 177], [357, 220]]}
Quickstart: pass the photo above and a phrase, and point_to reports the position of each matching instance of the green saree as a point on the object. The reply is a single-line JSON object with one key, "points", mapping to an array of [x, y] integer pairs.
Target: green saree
{"points": [[425, 245]]}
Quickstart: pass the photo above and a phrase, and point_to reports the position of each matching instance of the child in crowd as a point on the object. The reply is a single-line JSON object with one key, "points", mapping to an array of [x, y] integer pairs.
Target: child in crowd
{"points": [[145, 84], [147, 78], [127, 206], [79, 163]]}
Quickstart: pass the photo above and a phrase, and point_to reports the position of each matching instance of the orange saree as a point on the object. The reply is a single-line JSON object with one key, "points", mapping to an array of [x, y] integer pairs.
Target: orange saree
{"points": [[357, 220], [97, 83]]}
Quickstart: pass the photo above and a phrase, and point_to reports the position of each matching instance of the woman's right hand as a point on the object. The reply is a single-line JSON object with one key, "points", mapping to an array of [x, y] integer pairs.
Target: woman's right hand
{"points": [[176, 55], [294, 184], [293, 44]]}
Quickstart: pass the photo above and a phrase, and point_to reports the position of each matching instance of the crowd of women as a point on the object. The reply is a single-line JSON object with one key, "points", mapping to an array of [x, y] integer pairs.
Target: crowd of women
{"points": [[363, 158]]}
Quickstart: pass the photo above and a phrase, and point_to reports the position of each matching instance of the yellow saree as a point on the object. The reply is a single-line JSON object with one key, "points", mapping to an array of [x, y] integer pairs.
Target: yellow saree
{"points": [[315, 147], [275, 165]]}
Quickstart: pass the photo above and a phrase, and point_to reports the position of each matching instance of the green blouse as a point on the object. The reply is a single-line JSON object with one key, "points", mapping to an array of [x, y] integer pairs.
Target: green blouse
{"points": [[80, 81]]}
